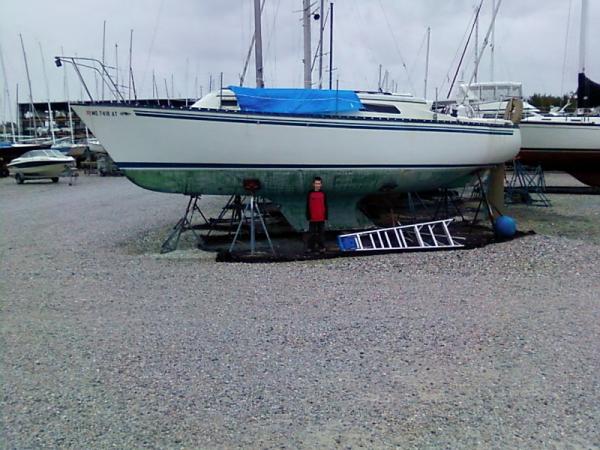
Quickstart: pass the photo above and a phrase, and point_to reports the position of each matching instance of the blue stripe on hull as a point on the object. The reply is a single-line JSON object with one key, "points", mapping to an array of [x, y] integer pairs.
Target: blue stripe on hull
{"points": [[393, 124]]}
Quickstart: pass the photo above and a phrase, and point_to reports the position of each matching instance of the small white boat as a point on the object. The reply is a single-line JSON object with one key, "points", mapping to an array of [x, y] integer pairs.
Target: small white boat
{"points": [[40, 164]]}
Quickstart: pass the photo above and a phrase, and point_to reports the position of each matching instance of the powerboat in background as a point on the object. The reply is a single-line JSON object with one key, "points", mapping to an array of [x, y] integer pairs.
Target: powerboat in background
{"points": [[40, 164], [11, 150]]}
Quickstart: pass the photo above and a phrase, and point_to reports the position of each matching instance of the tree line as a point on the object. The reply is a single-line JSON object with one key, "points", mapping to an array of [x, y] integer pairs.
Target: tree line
{"points": [[545, 102]]}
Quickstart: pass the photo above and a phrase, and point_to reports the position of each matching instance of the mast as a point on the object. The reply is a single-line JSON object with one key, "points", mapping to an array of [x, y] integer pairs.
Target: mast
{"points": [[29, 84], [321, 25], [307, 50], [66, 88], [583, 35], [7, 95], [130, 70], [185, 88], [47, 95], [252, 44], [167, 91], [427, 62], [330, 45], [476, 44], [485, 43], [492, 44], [258, 59], [103, 55], [116, 69], [18, 114]]}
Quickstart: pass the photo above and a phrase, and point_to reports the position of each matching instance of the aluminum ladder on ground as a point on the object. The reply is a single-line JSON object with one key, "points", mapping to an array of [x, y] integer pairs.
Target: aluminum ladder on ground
{"points": [[419, 236]]}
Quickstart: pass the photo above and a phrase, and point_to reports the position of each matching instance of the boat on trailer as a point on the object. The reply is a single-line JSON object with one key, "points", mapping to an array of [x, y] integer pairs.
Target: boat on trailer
{"points": [[362, 143], [40, 164]]}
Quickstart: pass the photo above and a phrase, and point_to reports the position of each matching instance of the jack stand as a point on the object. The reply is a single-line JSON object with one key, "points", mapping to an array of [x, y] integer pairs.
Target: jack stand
{"points": [[251, 212], [411, 204], [235, 204], [528, 185], [484, 199], [444, 203], [184, 224]]}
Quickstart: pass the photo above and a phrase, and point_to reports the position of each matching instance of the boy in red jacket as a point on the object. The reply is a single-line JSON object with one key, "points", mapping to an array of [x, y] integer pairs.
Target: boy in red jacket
{"points": [[316, 214]]}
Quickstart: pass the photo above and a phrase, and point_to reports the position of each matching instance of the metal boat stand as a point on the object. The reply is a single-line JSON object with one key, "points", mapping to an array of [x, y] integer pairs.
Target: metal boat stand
{"points": [[234, 206], [250, 213], [484, 200], [184, 224], [444, 202], [527, 185]]}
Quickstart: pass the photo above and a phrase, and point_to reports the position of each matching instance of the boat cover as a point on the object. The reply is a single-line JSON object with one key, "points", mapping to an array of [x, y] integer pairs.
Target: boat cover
{"points": [[296, 101], [588, 92]]}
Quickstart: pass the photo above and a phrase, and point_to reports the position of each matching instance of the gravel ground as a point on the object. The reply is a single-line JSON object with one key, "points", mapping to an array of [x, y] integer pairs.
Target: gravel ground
{"points": [[107, 344]]}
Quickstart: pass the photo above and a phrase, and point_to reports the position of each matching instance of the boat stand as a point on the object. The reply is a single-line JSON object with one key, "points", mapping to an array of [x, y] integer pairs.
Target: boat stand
{"points": [[484, 200], [251, 213], [527, 185], [444, 202], [234, 205], [184, 224]]}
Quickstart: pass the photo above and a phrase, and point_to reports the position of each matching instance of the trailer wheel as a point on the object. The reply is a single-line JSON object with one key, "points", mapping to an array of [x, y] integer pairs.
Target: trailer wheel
{"points": [[19, 178], [54, 179]]}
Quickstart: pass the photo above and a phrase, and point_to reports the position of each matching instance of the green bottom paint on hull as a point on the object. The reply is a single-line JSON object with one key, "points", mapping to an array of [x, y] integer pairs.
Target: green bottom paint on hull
{"points": [[288, 188]]}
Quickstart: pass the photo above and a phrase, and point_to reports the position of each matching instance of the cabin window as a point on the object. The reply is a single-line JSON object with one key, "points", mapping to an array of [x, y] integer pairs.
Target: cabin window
{"points": [[229, 103], [390, 109]]}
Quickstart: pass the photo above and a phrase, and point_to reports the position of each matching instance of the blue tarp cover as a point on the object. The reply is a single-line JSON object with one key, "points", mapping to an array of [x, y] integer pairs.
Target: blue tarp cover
{"points": [[296, 101]]}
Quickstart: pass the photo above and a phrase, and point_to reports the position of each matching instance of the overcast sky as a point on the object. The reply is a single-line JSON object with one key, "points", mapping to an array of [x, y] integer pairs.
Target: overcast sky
{"points": [[191, 39]]}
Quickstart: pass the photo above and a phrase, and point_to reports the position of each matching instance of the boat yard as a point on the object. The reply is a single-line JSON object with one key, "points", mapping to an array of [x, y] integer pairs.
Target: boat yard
{"points": [[325, 260], [106, 342]]}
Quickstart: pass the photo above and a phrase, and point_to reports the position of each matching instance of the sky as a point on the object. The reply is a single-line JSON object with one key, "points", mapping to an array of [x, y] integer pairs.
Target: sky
{"points": [[188, 43]]}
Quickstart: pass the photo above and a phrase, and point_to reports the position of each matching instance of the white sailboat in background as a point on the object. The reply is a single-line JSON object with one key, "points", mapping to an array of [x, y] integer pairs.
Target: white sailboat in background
{"points": [[569, 143]]}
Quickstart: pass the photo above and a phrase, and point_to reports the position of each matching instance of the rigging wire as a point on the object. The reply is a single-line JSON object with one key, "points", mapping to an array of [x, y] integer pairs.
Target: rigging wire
{"points": [[270, 38], [564, 67], [460, 46], [396, 45], [151, 49], [465, 49], [414, 64]]}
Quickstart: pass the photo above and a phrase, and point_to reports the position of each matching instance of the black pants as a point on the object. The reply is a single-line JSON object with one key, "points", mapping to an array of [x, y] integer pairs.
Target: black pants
{"points": [[316, 235]]}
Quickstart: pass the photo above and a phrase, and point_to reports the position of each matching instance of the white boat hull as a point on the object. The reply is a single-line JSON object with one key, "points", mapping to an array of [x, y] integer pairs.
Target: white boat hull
{"points": [[212, 152], [567, 144], [40, 169]]}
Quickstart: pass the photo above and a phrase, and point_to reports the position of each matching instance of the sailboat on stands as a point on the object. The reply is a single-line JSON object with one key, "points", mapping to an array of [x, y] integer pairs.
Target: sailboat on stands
{"points": [[568, 143], [358, 142]]}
